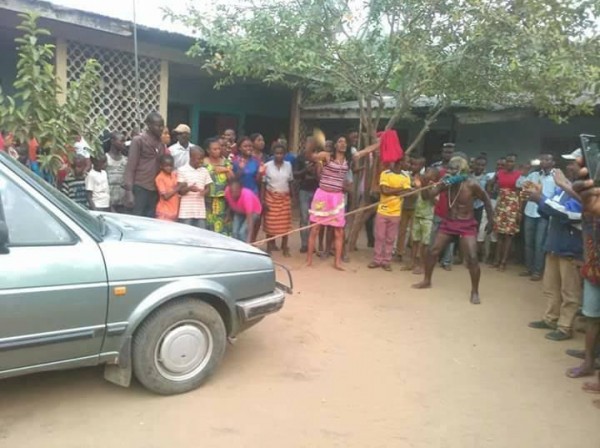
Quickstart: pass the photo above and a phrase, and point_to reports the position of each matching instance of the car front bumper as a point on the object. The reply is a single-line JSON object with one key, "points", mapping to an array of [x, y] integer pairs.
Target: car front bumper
{"points": [[254, 309]]}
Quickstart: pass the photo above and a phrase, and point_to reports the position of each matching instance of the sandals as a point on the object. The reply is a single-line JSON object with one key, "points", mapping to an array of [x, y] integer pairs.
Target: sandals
{"points": [[578, 372], [387, 268]]}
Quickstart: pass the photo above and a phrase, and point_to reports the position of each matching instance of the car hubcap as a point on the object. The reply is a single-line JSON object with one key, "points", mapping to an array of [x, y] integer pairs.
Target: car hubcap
{"points": [[183, 350]]}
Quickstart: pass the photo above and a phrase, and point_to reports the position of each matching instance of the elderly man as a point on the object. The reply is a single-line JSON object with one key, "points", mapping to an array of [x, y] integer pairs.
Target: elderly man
{"points": [[181, 150], [459, 191]]}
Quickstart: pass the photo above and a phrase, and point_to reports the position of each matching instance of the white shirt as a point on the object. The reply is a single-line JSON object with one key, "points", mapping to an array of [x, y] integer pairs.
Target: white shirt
{"points": [[97, 183], [192, 204], [181, 155], [278, 178]]}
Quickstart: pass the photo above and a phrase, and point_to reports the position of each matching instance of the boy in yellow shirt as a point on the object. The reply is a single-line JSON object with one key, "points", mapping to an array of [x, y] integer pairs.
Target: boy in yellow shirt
{"points": [[392, 184]]}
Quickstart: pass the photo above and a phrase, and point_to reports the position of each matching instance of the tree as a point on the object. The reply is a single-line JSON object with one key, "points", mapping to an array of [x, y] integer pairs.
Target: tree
{"points": [[473, 53], [478, 53], [35, 112]]}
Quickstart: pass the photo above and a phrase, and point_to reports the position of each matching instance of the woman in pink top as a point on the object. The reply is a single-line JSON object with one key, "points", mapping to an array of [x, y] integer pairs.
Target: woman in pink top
{"points": [[246, 209]]}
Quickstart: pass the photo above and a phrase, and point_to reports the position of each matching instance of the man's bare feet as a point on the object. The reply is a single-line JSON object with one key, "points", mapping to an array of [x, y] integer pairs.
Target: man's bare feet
{"points": [[339, 267], [475, 300], [309, 261], [591, 388], [418, 270], [422, 285]]}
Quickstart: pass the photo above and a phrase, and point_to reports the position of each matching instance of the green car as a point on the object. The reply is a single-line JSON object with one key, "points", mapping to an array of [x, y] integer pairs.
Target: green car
{"points": [[155, 299]]}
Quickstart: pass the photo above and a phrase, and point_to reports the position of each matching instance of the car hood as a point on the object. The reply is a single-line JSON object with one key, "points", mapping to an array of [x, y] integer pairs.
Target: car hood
{"points": [[146, 230]]}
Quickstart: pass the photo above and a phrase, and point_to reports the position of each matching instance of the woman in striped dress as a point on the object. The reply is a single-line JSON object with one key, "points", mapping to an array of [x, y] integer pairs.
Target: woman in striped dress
{"points": [[328, 205], [276, 198]]}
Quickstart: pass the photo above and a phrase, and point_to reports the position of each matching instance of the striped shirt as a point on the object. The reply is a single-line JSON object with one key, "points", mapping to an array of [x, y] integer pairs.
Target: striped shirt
{"points": [[74, 189], [333, 175], [192, 204]]}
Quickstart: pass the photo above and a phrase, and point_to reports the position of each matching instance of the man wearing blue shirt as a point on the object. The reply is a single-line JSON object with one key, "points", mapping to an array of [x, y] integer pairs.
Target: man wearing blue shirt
{"points": [[536, 226], [564, 251]]}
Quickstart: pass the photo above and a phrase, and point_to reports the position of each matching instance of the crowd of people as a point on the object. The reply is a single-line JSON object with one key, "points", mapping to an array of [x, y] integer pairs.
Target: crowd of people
{"points": [[448, 212]]}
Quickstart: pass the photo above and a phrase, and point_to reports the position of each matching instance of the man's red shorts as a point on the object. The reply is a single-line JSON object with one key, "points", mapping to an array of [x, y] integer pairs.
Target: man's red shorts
{"points": [[459, 227]]}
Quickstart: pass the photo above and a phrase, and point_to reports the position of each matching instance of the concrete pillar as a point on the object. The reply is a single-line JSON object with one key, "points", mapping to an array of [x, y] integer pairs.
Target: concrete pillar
{"points": [[164, 88], [195, 124], [61, 69]]}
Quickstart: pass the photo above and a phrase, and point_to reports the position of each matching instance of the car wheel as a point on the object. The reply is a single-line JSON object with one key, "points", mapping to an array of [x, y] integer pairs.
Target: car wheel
{"points": [[178, 346]]}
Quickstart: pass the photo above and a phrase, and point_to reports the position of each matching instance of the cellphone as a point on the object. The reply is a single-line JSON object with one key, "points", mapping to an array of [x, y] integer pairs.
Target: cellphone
{"points": [[590, 149]]}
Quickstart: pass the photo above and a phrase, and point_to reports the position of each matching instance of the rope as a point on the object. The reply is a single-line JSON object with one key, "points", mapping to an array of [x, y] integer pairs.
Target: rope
{"points": [[333, 218]]}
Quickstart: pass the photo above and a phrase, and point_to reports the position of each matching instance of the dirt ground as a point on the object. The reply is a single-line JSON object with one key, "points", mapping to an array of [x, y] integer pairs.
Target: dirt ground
{"points": [[355, 359]]}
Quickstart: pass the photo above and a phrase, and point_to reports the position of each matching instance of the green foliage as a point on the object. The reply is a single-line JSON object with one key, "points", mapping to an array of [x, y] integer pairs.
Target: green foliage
{"points": [[476, 53], [35, 112]]}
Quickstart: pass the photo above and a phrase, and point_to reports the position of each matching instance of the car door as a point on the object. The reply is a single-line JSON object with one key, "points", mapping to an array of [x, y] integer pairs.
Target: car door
{"points": [[53, 285]]}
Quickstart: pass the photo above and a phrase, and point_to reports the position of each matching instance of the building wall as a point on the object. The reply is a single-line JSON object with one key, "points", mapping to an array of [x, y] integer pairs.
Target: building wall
{"points": [[528, 138], [247, 107]]}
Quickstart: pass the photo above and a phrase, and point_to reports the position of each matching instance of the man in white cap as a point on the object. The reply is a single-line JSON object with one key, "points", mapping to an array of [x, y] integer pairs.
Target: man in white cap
{"points": [[564, 252], [181, 150]]}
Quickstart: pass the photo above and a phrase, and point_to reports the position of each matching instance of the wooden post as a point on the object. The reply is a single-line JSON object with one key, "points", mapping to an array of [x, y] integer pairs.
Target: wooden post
{"points": [[294, 137]]}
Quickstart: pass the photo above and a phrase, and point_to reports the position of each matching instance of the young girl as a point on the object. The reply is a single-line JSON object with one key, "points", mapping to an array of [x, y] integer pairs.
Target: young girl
{"points": [[246, 209], [276, 198], [328, 205], [220, 170], [96, 185], [246, 167], [168, 189]]}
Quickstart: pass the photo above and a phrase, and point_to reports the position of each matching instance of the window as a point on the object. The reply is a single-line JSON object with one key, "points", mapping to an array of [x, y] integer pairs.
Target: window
{"points": [[29, 224]]}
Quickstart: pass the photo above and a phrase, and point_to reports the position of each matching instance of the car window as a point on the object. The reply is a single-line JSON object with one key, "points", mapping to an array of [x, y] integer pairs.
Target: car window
{"points": [[29, 224], [83, 217]]}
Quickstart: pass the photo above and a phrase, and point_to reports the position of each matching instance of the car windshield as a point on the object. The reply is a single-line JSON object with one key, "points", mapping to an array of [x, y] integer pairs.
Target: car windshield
{"points": [[92, 224]]}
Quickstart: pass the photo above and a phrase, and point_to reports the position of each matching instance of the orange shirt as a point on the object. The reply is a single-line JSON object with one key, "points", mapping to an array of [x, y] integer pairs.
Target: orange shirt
{"points": [[167, 209]]}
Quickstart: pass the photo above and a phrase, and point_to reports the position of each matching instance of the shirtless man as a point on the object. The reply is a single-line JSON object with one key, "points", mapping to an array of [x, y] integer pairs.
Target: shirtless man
{"points": [[460, 191]]}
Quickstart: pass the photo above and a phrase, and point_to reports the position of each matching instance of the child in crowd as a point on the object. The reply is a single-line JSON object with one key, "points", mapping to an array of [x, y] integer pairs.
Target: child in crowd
{"points": [[422, 220], [96, 185], [195, 178], [392, 183], [74, 184], [246, 209], [168, 189]]}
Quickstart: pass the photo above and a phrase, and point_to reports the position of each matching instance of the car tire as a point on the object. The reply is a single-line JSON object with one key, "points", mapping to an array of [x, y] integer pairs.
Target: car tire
{"points": [[178, 346]]}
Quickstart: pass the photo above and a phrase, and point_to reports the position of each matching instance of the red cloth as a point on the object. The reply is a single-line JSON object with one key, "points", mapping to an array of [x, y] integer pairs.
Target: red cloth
{"points": [[441, 206], [508, 179], [460, 227], [390, 150], [33, 147]]}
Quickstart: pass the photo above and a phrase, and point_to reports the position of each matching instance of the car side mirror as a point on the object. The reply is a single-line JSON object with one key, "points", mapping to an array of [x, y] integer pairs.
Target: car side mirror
{"points": [[4, 239]]}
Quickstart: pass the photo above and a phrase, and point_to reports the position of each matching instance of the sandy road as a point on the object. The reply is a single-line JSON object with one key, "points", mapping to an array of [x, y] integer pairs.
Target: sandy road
{"points": [[355, 359]]}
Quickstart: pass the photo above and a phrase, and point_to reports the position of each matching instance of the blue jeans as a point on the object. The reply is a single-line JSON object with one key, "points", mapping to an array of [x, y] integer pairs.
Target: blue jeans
{"points": [[196, 222], [448, 255], [535, 232], [240, 226], [305, 198]]}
